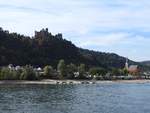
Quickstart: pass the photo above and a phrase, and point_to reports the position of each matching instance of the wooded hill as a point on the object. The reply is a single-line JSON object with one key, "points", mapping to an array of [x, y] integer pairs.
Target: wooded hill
{"points": [[47, 49]]}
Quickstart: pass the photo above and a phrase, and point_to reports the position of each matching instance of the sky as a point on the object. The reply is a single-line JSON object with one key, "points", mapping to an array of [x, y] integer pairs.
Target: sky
{"points": [[118, 26]]}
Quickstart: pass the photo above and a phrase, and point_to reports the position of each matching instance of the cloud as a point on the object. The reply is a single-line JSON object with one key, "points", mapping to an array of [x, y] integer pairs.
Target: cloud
{"points": [[103, 40], [126, 44], [121, 25], [111, 39], [81, 16]]}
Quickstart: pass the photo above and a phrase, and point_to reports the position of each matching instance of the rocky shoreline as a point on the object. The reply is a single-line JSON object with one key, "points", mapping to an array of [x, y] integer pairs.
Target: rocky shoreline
{"points": [[50, 81]]}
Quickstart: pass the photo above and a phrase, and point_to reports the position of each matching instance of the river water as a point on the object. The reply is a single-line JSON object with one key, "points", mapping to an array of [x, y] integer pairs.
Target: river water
{"points": [[83, 98]]}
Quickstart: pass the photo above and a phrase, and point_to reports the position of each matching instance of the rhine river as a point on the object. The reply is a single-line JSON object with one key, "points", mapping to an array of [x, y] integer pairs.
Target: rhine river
{"points": [[81, 98]]}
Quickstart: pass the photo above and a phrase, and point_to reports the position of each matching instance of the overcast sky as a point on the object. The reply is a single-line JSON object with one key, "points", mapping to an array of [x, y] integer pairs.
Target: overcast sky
{"points": [[119, 26]]}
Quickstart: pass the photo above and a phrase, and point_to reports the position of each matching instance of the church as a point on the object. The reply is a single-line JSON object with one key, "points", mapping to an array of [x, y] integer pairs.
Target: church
{"points": [[132, 69]]}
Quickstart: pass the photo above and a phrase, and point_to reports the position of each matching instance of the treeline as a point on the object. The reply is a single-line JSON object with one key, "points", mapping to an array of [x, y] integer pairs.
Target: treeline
{"points": [[63, 71], [24, 73], [48, 49]]}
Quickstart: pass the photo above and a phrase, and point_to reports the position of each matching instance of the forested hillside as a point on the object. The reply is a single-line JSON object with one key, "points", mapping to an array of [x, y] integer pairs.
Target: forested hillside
{"points": [[47, 49]]}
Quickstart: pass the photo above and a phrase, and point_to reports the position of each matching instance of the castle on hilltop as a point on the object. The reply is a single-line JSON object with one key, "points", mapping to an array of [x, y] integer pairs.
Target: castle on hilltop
{"points": [[44, 34]]}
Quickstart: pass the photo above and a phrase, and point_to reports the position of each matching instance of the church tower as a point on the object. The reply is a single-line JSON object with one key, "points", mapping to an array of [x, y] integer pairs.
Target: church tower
{"points": [[126, 64]]}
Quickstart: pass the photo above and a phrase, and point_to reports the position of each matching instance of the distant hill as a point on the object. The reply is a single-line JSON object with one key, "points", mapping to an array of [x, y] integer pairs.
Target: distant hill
{"points": [[47, 49], [146, 63]]}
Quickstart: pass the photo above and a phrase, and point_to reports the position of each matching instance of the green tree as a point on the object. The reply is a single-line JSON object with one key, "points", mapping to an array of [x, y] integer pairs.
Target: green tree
{"points": [[81, 70], [71, 68], [61, 68], [10, 74], [116, 72], [28, 73], [125, 71], [48, 71], [5, 74], [98, 71]]}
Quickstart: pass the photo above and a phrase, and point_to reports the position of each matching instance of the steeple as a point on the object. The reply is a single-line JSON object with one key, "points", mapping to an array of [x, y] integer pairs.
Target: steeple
{"points": [[126, 64]]}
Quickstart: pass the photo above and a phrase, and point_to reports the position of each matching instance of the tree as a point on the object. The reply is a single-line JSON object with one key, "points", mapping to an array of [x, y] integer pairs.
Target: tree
{"points": [[61, 68], [48, 71], [17, 73], [28, 73], [125, 71], [98, 71], [116, 72], [81, 70], [5, 74], [71, 68]]}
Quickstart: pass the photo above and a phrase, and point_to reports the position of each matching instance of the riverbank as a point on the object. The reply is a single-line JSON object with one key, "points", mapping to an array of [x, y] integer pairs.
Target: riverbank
{"points": [[50, 81]]}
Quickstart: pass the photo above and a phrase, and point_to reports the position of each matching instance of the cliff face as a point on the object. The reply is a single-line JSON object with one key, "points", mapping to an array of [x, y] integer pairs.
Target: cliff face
{"points": [[47, 49]]}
